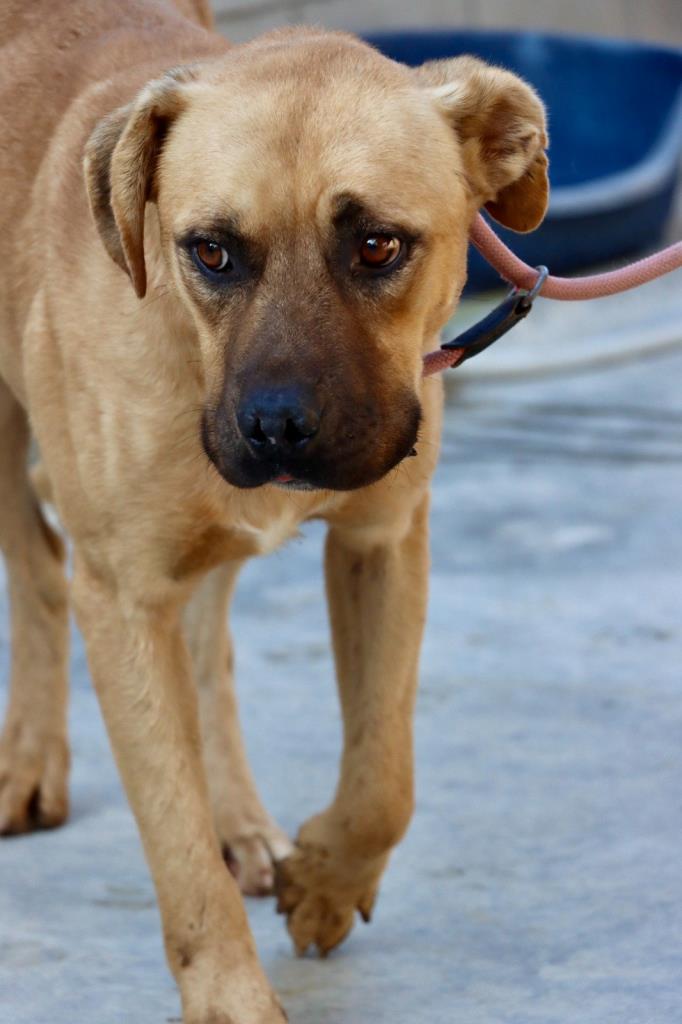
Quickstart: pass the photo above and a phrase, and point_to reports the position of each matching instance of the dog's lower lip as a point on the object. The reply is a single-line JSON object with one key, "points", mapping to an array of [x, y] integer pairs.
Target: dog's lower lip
{"points": [[292, 483]]}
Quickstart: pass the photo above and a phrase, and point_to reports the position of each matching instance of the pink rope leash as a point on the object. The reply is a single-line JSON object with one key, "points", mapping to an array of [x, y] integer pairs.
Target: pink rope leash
{"points": [[514, 270], [519, 274]]}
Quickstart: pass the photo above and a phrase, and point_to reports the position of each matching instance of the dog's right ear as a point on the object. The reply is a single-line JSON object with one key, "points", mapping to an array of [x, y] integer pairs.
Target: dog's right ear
{"points": [[120, 162]]}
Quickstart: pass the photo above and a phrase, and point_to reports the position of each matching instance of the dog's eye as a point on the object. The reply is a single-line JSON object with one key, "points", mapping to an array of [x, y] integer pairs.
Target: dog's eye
{"points": [[380, 251], [212, 256]]}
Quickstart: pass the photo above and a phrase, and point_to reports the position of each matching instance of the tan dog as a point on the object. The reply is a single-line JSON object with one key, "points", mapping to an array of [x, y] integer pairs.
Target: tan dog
{"points": [[216, 332]]}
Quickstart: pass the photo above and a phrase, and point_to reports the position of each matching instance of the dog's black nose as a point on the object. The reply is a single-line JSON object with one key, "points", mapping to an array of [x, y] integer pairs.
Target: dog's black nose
{"points": [[278, 421]]}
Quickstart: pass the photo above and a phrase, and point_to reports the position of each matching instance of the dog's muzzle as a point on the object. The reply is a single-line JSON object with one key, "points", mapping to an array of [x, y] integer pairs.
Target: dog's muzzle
{"points": [[296, 437]]}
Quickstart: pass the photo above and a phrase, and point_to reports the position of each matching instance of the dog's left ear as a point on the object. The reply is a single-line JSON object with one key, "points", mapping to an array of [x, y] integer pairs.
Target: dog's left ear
{"points": [[120, 162], [500, 122]]}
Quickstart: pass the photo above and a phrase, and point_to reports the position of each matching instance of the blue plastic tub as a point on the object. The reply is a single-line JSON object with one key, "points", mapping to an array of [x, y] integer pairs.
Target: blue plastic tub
{"points": [[615, 118]]}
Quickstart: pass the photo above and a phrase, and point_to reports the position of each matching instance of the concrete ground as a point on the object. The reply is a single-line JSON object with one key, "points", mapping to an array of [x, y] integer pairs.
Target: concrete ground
{"points": [[541, 880]]}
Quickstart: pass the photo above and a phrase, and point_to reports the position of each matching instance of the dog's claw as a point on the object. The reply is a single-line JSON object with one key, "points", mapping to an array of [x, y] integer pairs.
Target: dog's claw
{"points": [[366, 906]]}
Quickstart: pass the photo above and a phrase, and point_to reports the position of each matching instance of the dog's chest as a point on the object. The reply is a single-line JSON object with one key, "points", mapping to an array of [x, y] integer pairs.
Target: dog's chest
{"points": [[251, 523], [266, 518], [217, 543], [265, 534]]}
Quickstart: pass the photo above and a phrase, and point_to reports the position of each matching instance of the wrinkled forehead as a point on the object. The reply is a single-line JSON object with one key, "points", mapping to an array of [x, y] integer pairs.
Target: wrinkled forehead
{"points": [[281, 145]]}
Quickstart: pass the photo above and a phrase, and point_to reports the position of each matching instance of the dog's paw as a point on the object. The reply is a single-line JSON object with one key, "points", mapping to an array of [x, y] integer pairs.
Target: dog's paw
{"points": [[274, 1015], [251, 855], [216, 995], [320, 891], [277, 1016], [34, 774]]}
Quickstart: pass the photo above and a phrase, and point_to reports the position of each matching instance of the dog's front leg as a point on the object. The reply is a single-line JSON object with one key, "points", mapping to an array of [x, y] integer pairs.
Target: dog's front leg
{"points": [[140, 667], [249, 837], [377, 598]]}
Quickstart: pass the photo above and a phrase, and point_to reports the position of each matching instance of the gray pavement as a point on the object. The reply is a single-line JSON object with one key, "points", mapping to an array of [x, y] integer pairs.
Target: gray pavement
{"points": [[541, 881]]}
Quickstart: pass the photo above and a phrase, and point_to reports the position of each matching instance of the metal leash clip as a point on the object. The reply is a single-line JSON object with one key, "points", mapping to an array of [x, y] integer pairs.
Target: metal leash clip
{"points": [[516, 305]]}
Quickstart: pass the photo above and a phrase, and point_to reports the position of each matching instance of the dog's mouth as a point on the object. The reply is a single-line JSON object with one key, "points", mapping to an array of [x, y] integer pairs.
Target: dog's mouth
{"points": [[290, 483]]}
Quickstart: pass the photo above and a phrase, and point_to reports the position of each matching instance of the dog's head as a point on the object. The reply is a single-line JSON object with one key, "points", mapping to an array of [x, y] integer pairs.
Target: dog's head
{"points": [[314, 200]]}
